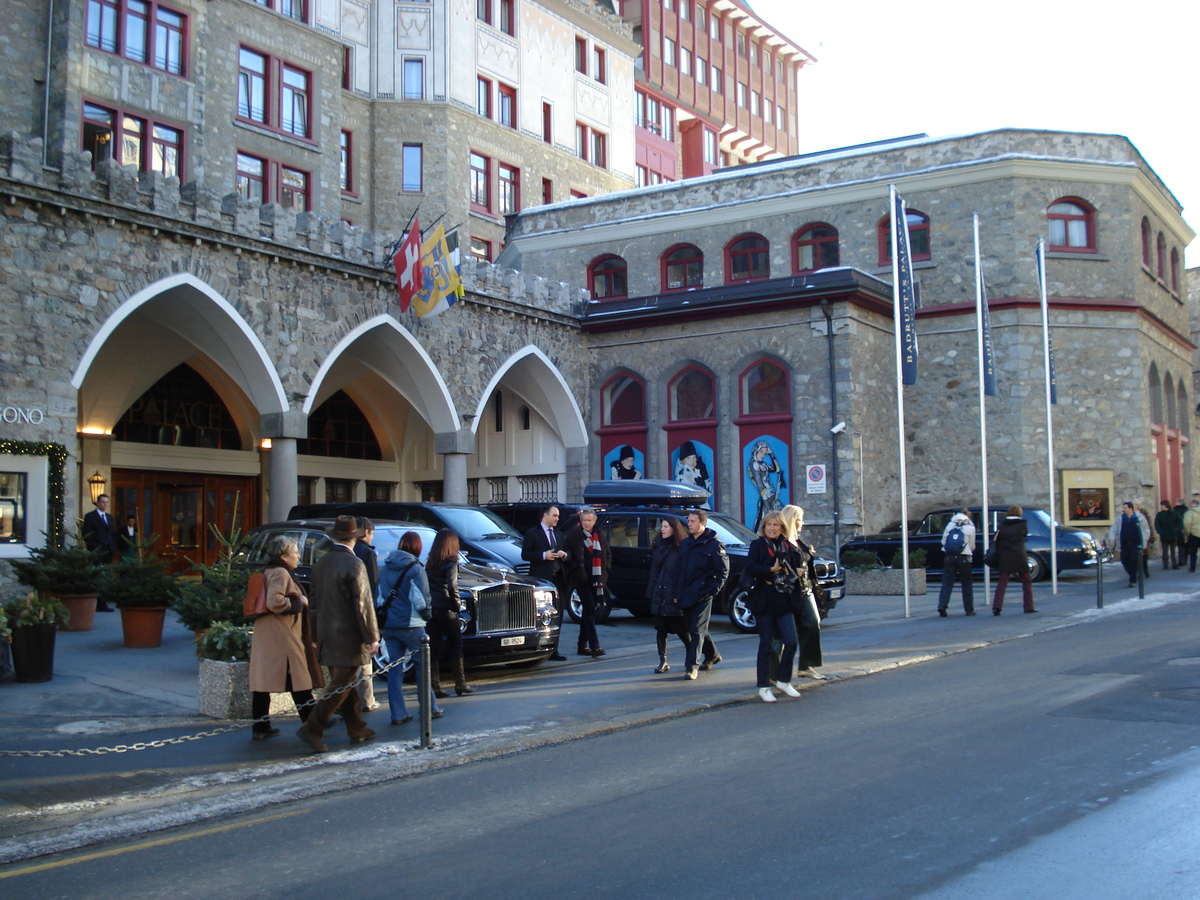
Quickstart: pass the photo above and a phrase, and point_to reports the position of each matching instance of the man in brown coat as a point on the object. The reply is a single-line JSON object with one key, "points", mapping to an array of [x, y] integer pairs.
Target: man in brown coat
{"points": [[343, 618]]}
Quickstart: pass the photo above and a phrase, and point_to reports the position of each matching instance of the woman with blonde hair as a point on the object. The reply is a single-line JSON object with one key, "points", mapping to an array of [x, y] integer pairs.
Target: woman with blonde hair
{"points": [[804, 605], [775, 565]]}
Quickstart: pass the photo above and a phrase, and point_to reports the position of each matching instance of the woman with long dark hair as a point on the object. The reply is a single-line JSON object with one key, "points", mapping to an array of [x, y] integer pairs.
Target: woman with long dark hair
{"points": [[660, 590], [445, 636]]}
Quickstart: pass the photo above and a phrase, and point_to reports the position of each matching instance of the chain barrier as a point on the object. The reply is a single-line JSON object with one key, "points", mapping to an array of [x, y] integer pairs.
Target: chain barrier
{"points": [[212, 732]]}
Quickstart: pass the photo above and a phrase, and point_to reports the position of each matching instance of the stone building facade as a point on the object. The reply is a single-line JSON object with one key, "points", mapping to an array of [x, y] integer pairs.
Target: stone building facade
{"points": [[767, 238]]}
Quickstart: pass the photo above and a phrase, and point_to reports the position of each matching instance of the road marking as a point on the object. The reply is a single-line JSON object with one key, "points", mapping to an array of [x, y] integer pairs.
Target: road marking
{"points": [[87, 857]]}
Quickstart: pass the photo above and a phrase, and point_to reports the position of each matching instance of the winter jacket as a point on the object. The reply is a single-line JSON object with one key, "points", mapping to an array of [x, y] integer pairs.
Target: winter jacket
{"points": [[443, 586], [1114, 533], [1169, 525], [703, 569], [664, 573], [343, 614], [1010, 545], [404, 572], [763, 597]]}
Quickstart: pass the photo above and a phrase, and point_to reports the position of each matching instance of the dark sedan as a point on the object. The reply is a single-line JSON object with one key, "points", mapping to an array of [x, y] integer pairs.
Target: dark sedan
{"points": [[505, 618], [1076, 548]]}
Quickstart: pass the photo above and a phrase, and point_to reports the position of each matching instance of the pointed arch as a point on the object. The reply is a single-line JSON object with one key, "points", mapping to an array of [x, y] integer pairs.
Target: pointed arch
{"points": [[532, 375], [180, 317], [406, 366]]}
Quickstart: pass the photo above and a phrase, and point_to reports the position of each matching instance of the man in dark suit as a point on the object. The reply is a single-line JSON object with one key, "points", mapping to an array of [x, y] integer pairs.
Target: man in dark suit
{"points": [[127, 536], [544, 551], [99, 536]]}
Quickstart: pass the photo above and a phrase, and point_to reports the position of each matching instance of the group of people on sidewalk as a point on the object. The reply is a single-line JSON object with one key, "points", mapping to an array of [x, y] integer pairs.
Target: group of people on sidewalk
{"points": [[352, 606], [1011, 560]]}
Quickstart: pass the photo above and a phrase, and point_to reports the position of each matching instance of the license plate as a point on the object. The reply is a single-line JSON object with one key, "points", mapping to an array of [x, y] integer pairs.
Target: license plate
{"points": [[835, 593], [512, 641]]}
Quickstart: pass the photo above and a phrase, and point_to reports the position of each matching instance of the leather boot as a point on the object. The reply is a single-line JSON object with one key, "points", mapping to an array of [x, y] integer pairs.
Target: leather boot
{"points": [[460, 681], [663, 665], [435, 678]]}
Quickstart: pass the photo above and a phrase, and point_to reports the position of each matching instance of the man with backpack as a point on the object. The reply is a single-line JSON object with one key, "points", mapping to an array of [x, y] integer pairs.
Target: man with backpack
{"points": [[958, 545]]}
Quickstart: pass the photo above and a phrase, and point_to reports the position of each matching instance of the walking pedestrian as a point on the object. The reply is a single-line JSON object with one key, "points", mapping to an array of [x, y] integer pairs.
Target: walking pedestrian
{"points": [[1011, 559], [703, 569], [364, 549], [406, 605], [347, 635], [773, 562], [1151, 542], [804, 602], [542, 548], [1169, 525], [958, 548], [1131, 532], [445, 633], [1191, 529], [660, 590], [1181, 508], [588, 559]]}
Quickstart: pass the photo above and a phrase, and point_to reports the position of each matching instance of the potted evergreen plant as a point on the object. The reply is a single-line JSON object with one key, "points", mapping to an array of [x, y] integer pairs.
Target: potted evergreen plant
{"points": [[33, 622], [224, 686], [218, 593], [142, 588], [70, 573]]}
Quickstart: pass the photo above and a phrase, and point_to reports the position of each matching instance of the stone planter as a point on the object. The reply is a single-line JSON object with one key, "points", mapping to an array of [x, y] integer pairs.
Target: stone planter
{"points": [[875, 582], [224, 691]]}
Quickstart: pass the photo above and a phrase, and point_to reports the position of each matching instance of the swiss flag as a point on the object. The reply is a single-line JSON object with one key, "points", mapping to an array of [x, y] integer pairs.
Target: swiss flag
{"points": [[408, 266]]}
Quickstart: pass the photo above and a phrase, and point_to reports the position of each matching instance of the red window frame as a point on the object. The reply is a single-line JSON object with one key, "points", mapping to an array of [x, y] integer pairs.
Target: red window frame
{"points": [[741, 249], [918, 237], [508, 188], [1145, 242], [612, 396], [1175, 270], [346, 161], [481, 248], [483, 96], [547, 191], [347, 67], [481, 182], [744, 389], [292, 9], [547, 123], [613, 272], [109, 26], [599, 65], [1161, 246], [581, 55], [508, 17], [281, 82], [278, 182], [1060, 218], [818, 236], [668, 51], [682, 257], [151, 134], [591, 145], [673, 397], [506, 106], [483, 11]]}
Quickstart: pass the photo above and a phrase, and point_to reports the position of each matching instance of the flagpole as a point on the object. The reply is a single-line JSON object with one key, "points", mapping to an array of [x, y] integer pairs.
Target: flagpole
{"points": [[985, 515], [1041, 254], [897, 224]]}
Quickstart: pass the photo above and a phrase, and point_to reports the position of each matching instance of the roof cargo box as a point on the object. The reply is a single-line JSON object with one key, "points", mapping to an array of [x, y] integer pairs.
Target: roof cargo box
{"points": [[643, 492]]}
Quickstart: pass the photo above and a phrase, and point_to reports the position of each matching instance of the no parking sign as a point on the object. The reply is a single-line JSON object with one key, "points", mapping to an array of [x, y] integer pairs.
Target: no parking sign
{"points": [[816, 479]]}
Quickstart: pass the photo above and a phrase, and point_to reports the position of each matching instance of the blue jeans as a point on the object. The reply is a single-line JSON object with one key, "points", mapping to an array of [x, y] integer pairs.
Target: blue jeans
{"points": [[767, 626], [402, 643]]}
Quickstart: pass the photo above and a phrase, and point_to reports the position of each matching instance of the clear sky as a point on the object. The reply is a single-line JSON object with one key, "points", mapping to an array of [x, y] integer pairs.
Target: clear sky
{"points": [[1108, 66]]}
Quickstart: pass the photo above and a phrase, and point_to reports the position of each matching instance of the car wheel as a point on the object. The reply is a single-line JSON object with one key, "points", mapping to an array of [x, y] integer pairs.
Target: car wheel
{"points": [[1038, 570], [575, 608], [740, 615]]}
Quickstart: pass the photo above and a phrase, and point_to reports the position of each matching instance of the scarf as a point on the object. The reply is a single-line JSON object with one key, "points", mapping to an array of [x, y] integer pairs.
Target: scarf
{"points": [[592, 543]]}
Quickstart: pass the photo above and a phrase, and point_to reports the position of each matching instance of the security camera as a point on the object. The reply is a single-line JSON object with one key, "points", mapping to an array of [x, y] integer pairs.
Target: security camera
{"points": [[838, 428]]}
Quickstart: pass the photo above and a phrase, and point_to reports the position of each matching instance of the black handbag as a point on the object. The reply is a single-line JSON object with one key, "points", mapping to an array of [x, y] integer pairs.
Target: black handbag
{"points": [[992, 557]]}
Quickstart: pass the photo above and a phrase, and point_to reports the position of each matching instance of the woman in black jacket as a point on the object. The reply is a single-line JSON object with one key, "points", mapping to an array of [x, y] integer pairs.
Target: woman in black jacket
{"points": [[445, 636], [778, 571], [1011, 558], [660, 590]]}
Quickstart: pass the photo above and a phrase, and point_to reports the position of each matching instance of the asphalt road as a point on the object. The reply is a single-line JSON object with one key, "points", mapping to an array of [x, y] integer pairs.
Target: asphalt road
{"points": [[912, 781]]}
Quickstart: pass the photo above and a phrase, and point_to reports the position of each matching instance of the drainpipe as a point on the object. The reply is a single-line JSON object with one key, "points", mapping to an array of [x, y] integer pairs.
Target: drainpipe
{"points": [[833, 433], [46, 89]]}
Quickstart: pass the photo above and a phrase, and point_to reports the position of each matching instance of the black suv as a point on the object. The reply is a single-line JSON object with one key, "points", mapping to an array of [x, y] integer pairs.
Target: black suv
{"points": [[487, 539], [505, 619], [629, 514]]}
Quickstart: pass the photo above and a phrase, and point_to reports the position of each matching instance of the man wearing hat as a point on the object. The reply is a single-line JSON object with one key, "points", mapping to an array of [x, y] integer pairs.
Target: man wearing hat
{"points": [[343, 624]]}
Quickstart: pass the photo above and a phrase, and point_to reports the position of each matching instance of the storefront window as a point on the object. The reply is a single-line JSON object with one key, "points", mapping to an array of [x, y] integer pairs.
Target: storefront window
{"points": [[12, 507]]}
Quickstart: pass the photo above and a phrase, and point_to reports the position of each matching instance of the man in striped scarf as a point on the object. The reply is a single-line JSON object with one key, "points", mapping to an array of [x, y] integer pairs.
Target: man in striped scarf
{"points": [[587, 571]]}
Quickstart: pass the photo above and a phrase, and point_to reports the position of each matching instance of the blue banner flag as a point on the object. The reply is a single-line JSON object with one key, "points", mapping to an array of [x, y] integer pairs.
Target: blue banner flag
{"points": [[989, 354], [906, 315]]}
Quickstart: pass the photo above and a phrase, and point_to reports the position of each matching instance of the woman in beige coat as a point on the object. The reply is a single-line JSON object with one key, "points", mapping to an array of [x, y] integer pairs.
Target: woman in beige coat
{"points": [[280, 653]]}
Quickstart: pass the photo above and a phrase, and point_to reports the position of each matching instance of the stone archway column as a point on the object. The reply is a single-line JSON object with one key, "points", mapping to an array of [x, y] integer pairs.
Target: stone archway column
{"points": [[455, 447], [283, 429]]}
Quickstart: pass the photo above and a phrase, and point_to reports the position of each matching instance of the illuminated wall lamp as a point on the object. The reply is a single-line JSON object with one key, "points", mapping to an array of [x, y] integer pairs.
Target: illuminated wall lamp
{"points": [[96, 485]]}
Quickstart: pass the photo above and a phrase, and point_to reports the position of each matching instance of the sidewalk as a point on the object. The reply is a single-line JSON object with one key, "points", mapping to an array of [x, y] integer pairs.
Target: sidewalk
{"points": [[104, 695]]}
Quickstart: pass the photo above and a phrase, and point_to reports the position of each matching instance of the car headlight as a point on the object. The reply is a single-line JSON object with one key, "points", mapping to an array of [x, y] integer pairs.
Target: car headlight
{"points": [[543, 598]]}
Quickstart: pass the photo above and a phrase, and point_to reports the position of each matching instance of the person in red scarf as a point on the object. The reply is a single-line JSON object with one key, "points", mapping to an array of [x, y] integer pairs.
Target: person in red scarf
{"points": [[587, 571]]}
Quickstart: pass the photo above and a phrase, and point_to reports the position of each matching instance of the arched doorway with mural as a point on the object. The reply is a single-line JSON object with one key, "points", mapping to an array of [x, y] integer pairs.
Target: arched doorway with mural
{"points": [[174, 432]]}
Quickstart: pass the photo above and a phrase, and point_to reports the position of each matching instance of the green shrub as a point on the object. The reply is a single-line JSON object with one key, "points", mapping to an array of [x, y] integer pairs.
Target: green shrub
{"points": [[916, 559], [859, 560], [225, 642]]}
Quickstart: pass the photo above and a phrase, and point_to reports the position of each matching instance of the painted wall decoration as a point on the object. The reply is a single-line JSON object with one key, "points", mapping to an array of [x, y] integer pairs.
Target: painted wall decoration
{"points": [[766, 477], [692, 463], [625, 462]]}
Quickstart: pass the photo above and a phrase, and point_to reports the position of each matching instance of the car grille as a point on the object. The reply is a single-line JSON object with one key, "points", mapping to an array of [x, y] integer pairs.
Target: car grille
{"points": [[824, 569], [504, 608]]}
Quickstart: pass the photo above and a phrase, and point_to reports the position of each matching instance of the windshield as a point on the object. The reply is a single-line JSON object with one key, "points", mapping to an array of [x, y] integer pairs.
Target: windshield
{"points": [[476, 524], [387, 539], [730, 532]]}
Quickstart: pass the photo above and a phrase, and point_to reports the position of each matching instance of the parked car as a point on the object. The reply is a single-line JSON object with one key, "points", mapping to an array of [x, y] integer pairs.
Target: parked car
{"points": [[1077, 549], [629, 514], [505, 618], [487, 539]]}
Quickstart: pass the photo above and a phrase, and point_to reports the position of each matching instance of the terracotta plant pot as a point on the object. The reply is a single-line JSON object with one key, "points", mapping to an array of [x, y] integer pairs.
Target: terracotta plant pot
{"points": [[142, 626], [33, 652], [82, 608]]}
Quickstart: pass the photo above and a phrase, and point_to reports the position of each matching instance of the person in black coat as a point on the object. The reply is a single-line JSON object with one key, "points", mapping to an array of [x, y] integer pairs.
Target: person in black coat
{"points": [[543, 549], [445, 634], [99, 536], [774, 563], [1011, 558], [703, 570], [127, 536], [588, 562], [660, 590], [365, 550]]}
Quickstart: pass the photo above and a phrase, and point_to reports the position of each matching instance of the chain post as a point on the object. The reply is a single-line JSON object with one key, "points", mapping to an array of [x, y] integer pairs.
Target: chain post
{"points": [[425, 693]]}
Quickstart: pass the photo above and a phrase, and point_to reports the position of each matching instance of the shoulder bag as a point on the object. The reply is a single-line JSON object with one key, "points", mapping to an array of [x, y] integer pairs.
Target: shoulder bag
{"points": [[254, 606]]}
